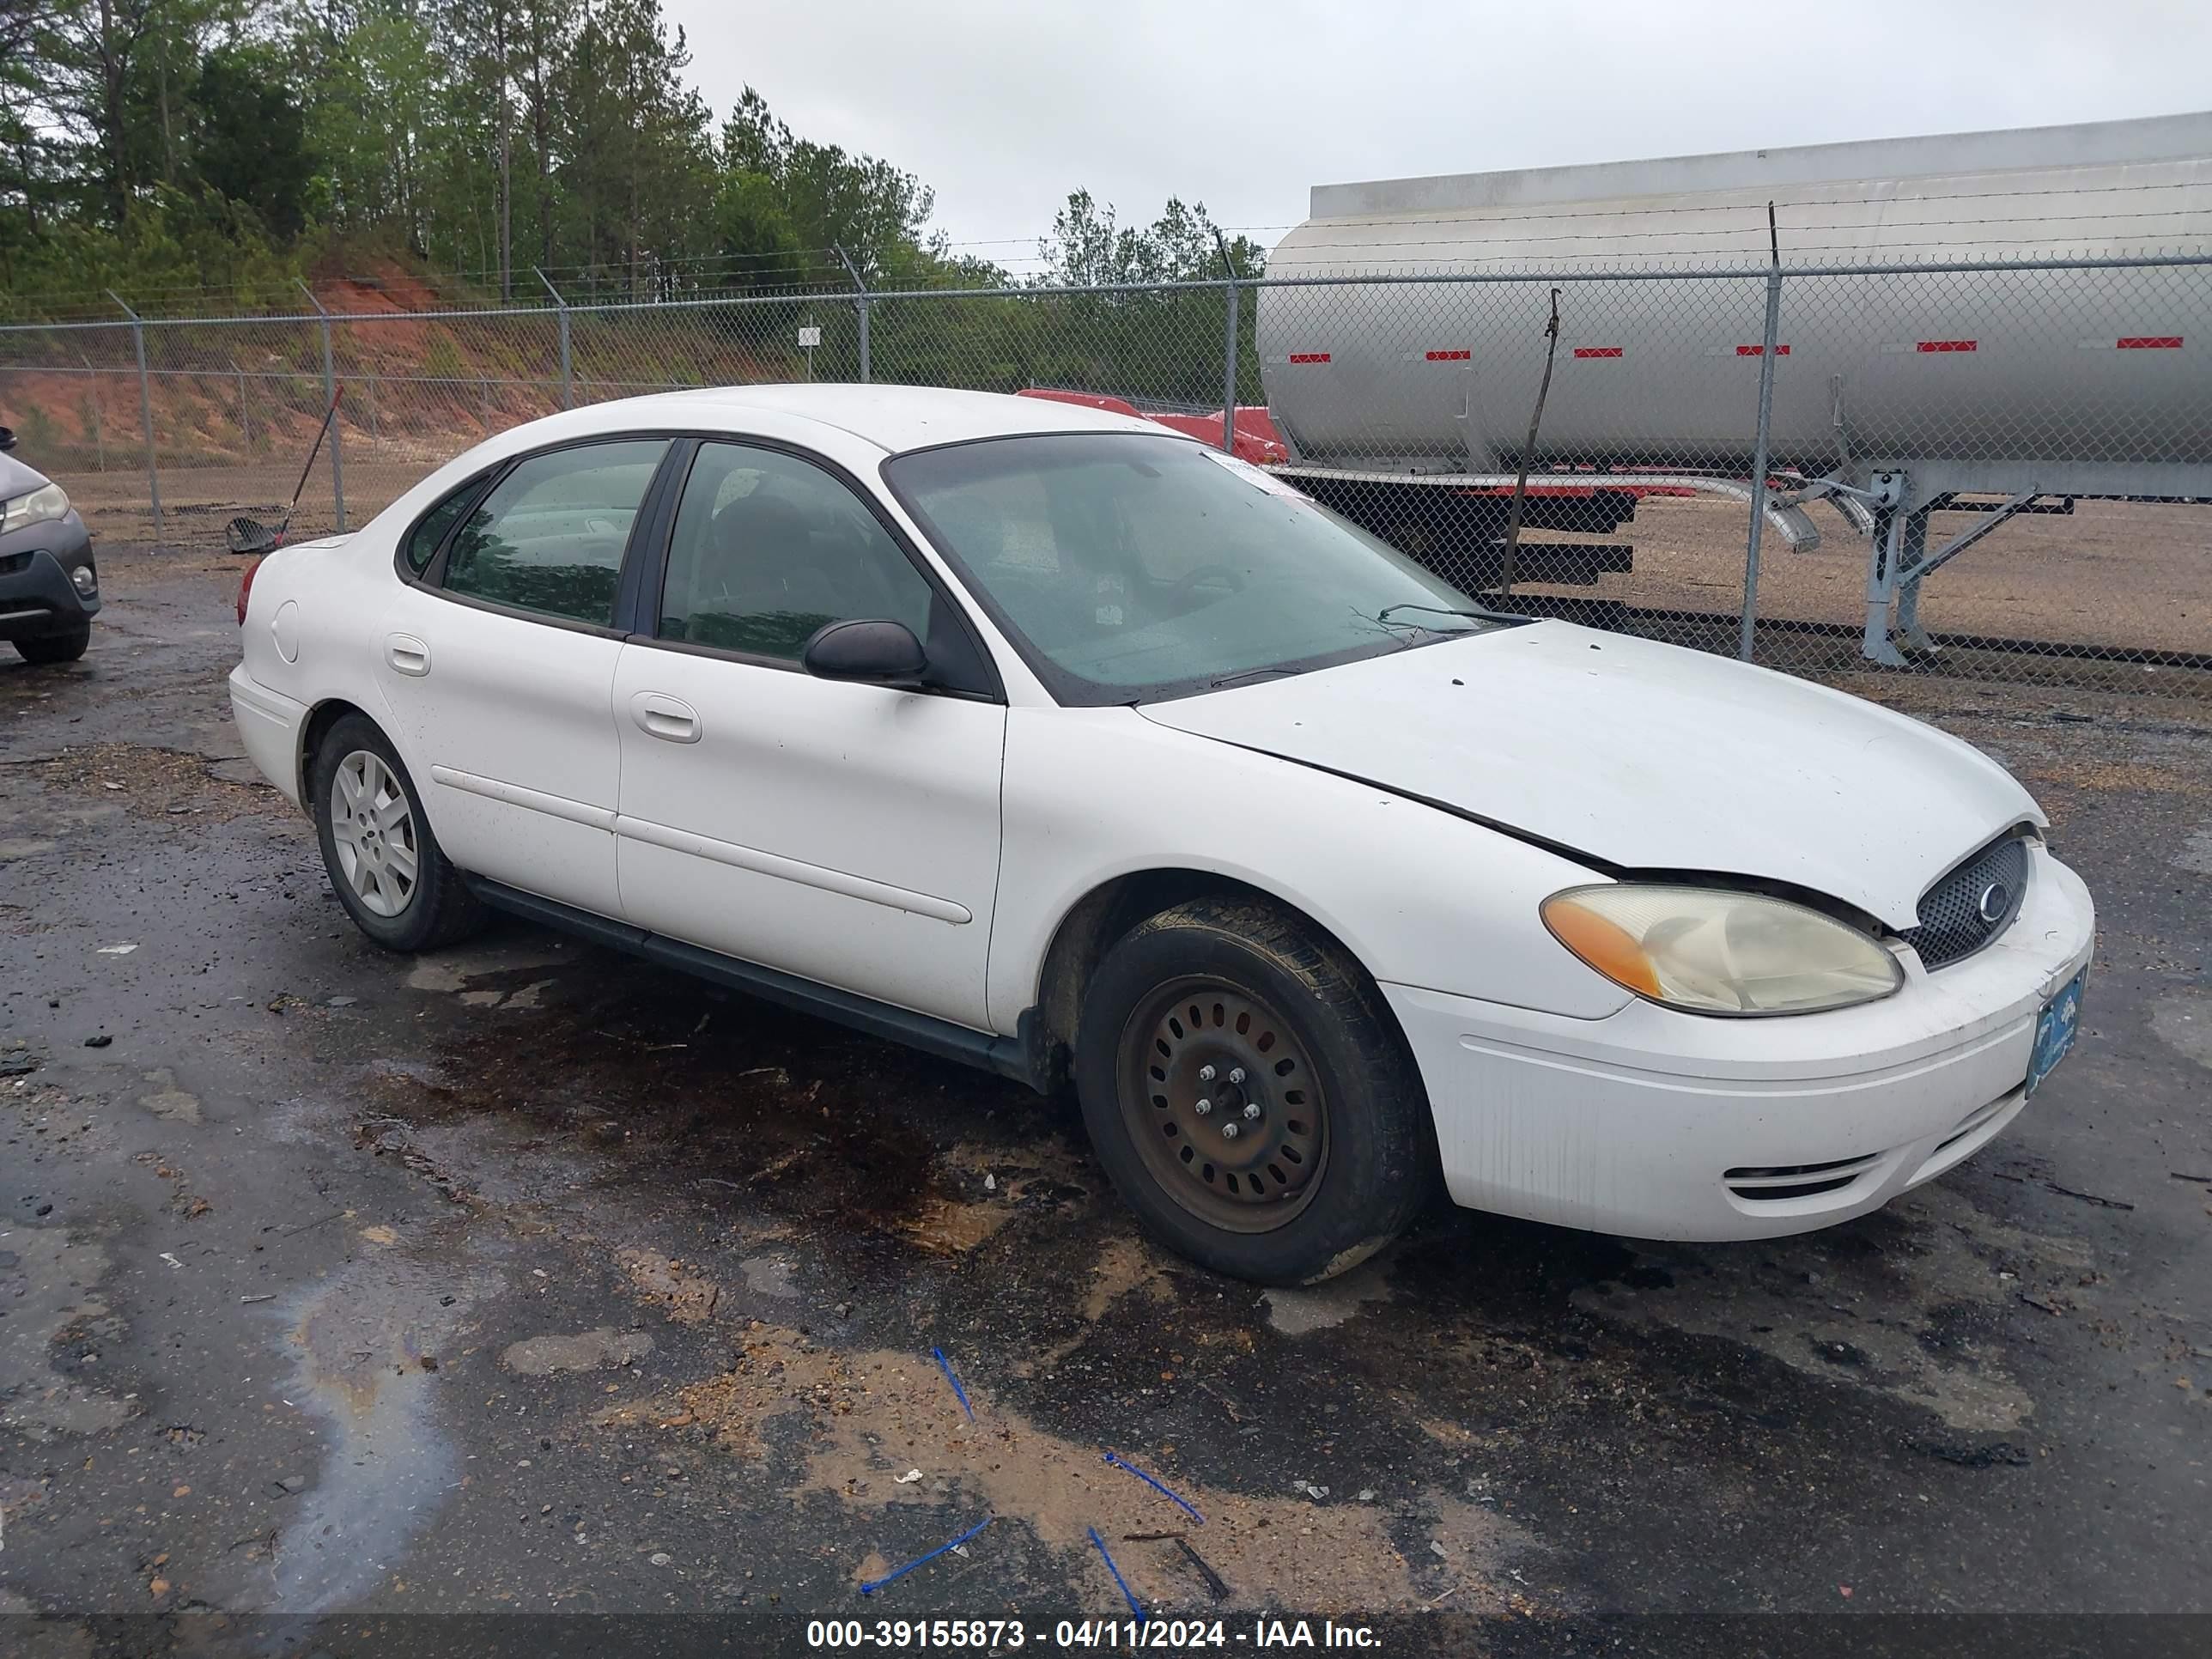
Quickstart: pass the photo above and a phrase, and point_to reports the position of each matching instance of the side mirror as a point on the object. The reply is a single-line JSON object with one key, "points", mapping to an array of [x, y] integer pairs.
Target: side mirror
{"points": [[249, 536], [7, 438], [874, 651]]}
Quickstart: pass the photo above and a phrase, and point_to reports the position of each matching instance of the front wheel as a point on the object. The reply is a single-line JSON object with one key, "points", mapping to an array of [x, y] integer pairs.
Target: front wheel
{"points": [[1250, 1094], [56, 648], [384, 865]]}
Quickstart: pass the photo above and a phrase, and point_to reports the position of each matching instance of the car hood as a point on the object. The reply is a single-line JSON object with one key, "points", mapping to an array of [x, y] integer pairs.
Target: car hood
{"points": [[1641, 757], [17, 477]]}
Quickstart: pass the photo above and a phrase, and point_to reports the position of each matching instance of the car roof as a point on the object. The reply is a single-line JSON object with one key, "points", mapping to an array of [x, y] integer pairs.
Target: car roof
{"points": [[894, 418]]}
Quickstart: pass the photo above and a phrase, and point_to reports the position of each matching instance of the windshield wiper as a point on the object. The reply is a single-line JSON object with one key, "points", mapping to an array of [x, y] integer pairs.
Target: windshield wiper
{"points": [[1249, 674], [1383, 615]]}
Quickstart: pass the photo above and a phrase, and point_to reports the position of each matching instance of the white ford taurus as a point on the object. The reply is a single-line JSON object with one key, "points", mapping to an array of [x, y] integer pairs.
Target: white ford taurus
{"points": [[1048, 740]]}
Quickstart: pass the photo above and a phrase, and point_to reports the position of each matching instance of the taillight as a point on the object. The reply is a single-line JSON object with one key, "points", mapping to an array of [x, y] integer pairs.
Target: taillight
{"points": [[246, 589]]}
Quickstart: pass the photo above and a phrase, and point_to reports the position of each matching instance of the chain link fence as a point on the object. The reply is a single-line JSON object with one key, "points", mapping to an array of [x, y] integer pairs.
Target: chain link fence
{"points": [[2000, 470]]}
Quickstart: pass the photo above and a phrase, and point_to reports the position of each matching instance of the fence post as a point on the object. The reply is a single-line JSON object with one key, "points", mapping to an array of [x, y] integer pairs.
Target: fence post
{"points": [[861, 306], [567, 363], [1766, 355], [145, 410], [99, 433], [245, 420], [1229, 351], [375, 421], [329, 397]]}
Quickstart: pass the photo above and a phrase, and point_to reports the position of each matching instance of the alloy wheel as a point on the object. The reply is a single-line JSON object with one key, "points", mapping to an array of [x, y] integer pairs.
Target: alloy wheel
{"points": [[373, 826]]}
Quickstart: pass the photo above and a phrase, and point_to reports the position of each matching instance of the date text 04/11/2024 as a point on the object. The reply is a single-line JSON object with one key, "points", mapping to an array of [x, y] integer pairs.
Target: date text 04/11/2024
{"points": [[1264, 1633], [1008, 1634]]}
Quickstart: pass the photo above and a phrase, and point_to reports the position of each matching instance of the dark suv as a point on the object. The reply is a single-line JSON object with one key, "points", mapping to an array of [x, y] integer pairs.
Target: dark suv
{"points": [[49, 585]]}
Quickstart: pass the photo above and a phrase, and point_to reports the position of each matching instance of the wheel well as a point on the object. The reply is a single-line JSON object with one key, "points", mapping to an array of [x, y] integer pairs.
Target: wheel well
{"points": [[319, 720], [1100, 918]]}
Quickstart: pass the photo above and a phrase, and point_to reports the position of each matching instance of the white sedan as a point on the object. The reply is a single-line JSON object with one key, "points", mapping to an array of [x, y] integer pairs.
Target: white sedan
{"points": [[1050, 741]]}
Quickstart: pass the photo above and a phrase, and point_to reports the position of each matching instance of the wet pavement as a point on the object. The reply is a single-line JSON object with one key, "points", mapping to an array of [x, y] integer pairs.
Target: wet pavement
{"points": [[522, 1279]]}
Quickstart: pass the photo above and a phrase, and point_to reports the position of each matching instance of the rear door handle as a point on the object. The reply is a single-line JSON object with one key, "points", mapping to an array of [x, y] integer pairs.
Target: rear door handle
{"points": [[670, 719], [407, 654]]}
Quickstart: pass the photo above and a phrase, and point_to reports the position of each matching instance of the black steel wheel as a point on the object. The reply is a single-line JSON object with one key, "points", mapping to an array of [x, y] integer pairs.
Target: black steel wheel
{"points": [[1250, 1094], [1223, 1104]]}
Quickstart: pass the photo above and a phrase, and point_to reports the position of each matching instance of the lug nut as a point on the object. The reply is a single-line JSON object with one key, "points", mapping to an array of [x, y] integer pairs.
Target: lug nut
{"points": [[1206, 1074], [1205, 1107], [1230, 1129], [1251, 1108], [1237, 1074]]}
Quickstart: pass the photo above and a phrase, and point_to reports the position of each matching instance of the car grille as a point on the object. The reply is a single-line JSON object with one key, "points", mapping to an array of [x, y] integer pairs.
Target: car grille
{"points": [[1952, 923]]}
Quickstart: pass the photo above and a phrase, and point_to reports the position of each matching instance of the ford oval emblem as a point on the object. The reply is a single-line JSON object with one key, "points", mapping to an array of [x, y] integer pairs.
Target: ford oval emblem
{"points": [[1993, 899]]}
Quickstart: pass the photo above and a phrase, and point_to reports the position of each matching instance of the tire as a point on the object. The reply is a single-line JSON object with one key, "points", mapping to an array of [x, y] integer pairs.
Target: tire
{"points": [[56, 648], [368, 854], [1340, 1154]]}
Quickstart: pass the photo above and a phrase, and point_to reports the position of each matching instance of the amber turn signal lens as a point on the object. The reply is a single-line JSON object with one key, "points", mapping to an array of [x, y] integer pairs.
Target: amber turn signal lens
{"points": [[1605, 945]]}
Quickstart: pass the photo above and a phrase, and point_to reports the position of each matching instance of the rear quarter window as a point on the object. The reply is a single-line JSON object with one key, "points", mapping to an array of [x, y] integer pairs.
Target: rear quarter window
{"points": [[422, 543]]}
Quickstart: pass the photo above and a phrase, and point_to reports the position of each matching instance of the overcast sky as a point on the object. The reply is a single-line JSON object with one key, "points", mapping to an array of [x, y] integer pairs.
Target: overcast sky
{"points": [[1003, 106]]}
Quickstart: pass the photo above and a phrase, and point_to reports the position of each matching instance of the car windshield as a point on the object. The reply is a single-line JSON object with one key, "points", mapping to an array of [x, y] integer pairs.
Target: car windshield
{"points": [[1131, 569]]}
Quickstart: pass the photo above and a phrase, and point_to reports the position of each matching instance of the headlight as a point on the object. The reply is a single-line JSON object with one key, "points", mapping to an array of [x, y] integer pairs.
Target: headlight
{"points": [[1711, 951], [45, 503]]}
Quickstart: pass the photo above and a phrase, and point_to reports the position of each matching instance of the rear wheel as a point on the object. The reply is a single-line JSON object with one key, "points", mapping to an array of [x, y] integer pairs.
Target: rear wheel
{"points": [[384, 864], [56, 648], [1248, 1094]]}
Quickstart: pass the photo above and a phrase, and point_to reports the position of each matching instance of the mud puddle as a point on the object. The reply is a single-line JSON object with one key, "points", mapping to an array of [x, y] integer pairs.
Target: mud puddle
{"points": [[644, 1079]]}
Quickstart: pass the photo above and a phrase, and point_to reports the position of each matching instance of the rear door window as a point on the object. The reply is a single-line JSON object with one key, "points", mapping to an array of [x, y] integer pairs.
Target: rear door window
{"points": [[549, 535]]}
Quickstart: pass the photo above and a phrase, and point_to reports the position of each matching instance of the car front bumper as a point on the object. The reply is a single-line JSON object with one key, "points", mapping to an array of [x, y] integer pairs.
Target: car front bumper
{"points": [[1656, 1124], [37, 598], [269, 726]]}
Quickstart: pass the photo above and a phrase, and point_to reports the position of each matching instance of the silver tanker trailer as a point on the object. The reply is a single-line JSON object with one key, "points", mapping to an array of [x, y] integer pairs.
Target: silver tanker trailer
{"points": [[1897, 391]]}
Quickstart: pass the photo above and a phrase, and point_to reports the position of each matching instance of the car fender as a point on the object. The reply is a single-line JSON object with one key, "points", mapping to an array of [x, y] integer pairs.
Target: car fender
{"points": [[340, 589], [1418, 895]]}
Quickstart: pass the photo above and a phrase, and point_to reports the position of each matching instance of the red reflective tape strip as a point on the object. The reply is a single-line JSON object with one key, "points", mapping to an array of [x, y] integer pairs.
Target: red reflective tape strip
{"points": [[1946, 345], [1309, 356], [1449, 356], [1597, 351], [1754, 352], [2150, 343]]}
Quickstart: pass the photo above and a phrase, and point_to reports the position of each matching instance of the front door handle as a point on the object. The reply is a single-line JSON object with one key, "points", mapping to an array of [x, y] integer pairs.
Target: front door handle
{"points": [[407, 654], [670, 719]]}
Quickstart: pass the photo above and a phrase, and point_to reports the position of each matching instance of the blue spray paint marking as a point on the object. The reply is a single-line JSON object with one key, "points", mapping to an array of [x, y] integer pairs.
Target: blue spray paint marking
{"points": [[1157, 1487], [875, 1584], [1142, 1616], [945, 1365]]}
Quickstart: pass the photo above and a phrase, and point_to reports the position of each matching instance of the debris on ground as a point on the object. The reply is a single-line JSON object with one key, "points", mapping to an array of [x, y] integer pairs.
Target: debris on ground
{"points": [[874, 1584], [945, 1365], [1099, 1544], [2089, 1198], [1180, 1502], [1214, 1583]]}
